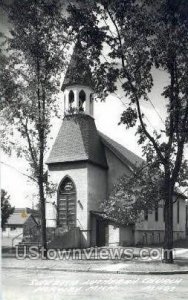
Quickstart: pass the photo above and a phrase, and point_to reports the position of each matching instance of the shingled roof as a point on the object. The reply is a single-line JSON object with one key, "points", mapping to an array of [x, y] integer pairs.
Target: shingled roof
{"points": [[78, 71], [126, 156], [78, 140]]}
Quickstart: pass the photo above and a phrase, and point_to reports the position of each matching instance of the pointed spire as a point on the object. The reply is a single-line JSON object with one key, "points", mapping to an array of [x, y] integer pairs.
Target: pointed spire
{"points": [[78, 71]]}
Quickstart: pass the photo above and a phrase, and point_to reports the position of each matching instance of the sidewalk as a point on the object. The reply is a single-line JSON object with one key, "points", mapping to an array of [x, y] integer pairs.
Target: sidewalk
{"points": [[135, 266]]}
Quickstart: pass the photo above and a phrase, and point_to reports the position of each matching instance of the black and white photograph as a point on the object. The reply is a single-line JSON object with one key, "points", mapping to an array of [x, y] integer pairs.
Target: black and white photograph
{"points": [[94, 149]]}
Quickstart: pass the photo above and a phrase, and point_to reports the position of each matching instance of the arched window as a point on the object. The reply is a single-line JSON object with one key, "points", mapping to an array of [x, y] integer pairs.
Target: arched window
{"points": [[91, 97], [71, 98], [67, 204], [82, 99], [91, 104]]}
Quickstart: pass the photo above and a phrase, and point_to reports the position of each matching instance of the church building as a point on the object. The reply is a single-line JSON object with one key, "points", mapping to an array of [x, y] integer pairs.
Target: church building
{"points": [[84, 164]]}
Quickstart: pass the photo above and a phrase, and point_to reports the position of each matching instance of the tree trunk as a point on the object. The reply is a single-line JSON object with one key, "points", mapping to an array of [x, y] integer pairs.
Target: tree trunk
{"points": [[168, 237], [41, 194], [43, 217]]}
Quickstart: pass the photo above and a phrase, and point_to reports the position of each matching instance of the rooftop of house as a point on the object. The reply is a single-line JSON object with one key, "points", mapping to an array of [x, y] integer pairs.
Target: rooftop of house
{"points": [[18, 218], [21, 215], [26, 209]]}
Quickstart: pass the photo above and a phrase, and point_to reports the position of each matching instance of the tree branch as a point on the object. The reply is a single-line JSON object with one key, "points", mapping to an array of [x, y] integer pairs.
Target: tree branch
{"points": [[181, 143], [135, 94], [33, 157], [30, 177]]}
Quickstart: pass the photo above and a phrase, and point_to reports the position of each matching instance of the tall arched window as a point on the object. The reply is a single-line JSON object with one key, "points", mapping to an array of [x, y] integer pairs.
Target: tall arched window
{"points": [[67, 204], [71, 98], [82, 99], [91, 104]]}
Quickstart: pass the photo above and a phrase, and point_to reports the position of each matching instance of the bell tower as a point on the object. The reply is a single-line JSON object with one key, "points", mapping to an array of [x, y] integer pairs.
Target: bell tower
{"points": [[78, 84]]}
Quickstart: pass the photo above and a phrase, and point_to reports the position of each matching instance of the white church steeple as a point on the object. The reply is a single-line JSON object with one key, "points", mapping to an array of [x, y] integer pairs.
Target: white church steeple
{"points": [[78, 84]]}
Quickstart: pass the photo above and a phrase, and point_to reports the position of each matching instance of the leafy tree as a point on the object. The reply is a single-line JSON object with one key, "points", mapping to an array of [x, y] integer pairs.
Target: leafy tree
{"points": [[33, 56], [140, 37], [134, 195], [6, 208]]}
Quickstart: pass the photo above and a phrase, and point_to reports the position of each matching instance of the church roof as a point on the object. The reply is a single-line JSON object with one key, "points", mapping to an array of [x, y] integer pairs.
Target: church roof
{"points": [[126, 156], [78, 71], [78, 140]]}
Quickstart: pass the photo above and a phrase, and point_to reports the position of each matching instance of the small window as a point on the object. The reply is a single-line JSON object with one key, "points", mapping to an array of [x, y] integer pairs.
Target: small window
{"points": [[146, 215], [178, 211], [156, 213], [82, 99], [91, 97]]}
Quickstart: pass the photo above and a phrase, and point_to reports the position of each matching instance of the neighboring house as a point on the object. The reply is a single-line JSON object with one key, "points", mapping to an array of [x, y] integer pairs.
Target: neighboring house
{"points": [[85, 164], [20, 224], [151, 229]]}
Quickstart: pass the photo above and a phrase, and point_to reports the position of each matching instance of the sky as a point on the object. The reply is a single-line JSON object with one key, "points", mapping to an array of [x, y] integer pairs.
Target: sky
{"points": [[107, 115]]}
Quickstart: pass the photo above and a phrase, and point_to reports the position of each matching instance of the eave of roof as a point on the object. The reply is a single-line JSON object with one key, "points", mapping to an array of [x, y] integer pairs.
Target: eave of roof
{"points": [[102, 215]]}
